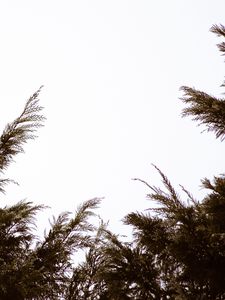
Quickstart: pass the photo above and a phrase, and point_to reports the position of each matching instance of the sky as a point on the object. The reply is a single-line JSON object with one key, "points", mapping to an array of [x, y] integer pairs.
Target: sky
{"points": [[111, 72]]}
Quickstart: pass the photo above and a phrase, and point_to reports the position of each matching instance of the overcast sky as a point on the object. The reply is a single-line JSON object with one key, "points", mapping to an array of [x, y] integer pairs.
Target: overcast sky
{"points": [[112, 72]]}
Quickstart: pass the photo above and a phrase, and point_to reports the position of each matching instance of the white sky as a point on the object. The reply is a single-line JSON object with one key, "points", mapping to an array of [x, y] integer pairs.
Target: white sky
{"points": [[112, 72]]}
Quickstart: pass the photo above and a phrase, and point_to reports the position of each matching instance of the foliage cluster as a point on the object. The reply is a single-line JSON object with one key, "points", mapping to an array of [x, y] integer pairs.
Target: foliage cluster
{"points": [[177, 250]]}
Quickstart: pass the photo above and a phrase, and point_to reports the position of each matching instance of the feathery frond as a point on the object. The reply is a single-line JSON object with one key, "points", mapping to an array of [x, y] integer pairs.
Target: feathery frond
{"points": [[220, 31], [169, 201], [205, 109], [53, 256], [18, 132]]}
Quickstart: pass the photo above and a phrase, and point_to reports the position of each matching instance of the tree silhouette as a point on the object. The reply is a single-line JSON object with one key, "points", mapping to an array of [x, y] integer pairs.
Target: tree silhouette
{"points": [[32, 268], [177, 250]]}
